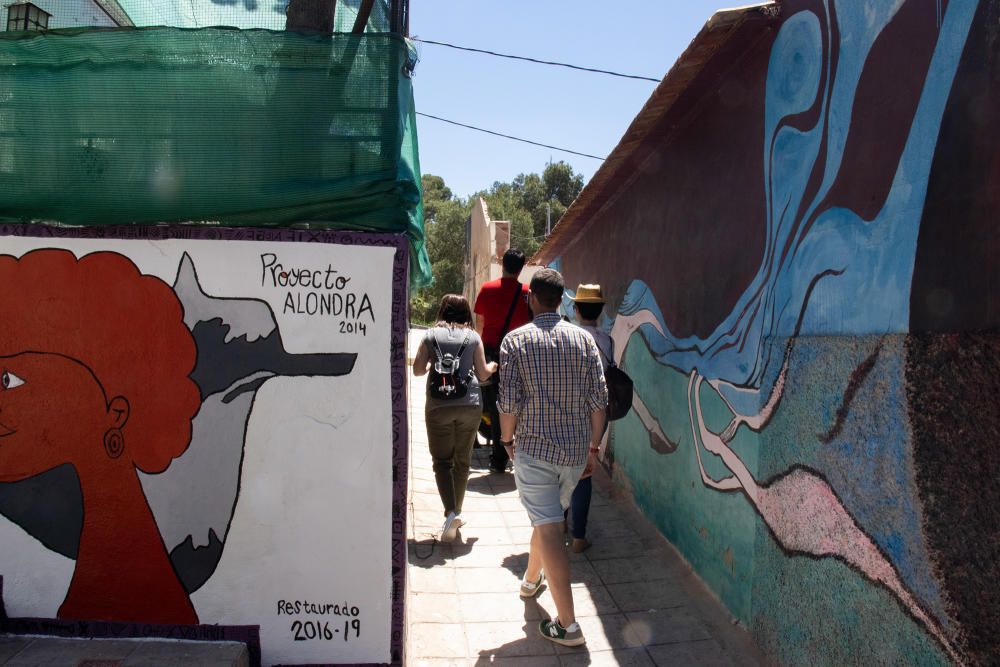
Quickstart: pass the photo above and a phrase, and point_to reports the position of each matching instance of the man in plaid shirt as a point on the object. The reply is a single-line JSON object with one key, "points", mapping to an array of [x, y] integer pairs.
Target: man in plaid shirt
{"points": [[552, 404]]}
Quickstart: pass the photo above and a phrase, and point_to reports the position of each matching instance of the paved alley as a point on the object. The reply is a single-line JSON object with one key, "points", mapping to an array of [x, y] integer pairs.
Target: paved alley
{"points": [[637, 601]]}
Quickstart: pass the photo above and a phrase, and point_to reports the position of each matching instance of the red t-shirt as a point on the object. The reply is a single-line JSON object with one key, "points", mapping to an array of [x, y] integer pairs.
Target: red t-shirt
{"points": [[493, 304]]}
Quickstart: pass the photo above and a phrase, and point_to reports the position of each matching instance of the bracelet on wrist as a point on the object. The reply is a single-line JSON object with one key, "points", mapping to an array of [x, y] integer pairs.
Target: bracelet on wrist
{"points": [[507, 443]]}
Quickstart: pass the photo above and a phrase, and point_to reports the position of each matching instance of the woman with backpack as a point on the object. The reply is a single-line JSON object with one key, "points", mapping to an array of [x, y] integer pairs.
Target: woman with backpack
{"points": [[453, 358]]}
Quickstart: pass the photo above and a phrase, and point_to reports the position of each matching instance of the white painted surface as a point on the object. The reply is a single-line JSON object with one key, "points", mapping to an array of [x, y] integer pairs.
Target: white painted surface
{"points": [[313, 517], [35, 579]]}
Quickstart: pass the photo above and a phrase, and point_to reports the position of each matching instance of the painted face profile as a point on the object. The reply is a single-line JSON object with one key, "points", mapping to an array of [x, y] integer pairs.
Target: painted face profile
{"points": [[52, 409], [94, 372]]}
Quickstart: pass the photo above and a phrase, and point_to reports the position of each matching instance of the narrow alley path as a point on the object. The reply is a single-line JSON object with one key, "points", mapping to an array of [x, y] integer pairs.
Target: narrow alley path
{"points": [[637, 601]]}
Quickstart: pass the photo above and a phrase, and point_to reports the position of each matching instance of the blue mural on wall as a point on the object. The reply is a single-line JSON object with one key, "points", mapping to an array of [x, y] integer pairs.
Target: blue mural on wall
{"points": [[830, 266]]}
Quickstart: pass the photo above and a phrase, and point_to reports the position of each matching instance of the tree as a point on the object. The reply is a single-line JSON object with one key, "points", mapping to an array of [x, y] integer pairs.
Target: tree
{"points": [[444, 227], [561, 183], [524, 202], [539, 197]]}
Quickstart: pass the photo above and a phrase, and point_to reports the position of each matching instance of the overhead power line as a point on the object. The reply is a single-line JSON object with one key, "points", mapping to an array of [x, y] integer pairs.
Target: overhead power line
{"points": [[508, 136], [536, 60]]}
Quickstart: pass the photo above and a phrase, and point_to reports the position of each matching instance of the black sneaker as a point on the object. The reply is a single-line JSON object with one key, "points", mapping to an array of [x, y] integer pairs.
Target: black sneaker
{"points": [[572, 636]]}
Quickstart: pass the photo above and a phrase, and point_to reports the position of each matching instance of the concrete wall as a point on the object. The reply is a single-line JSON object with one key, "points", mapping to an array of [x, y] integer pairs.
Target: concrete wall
{"points": [[803, 285], [488, 240], [189, 419]]}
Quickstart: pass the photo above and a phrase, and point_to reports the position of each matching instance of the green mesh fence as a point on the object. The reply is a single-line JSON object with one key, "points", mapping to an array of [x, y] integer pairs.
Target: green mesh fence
{"points": [[238, 127], [268, 14]]}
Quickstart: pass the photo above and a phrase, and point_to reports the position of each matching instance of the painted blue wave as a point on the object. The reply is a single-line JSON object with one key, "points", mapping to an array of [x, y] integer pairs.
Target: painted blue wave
{"points": [[845, 275]]}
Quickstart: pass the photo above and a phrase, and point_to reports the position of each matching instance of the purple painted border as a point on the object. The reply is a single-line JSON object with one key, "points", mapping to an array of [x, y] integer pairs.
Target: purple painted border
{"points": [[397, 369]]}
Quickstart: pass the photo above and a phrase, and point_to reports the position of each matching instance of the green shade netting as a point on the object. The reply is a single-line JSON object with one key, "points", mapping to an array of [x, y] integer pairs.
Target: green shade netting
{"points": [[269, 14], [239, 127]]}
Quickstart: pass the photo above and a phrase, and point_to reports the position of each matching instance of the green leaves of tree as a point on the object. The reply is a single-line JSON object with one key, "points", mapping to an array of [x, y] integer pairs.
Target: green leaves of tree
{"points": [[524, 202]]}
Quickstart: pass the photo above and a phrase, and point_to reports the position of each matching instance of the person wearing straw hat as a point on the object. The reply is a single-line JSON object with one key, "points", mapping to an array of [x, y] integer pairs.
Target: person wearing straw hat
{"points": [[588, 303]]}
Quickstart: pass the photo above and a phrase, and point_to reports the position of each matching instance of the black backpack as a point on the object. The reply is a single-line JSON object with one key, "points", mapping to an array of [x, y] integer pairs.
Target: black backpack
{"points": [[619, 392], [446, 382]]}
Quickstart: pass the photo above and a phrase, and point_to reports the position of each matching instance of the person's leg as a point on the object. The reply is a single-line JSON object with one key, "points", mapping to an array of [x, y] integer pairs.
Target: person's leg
{"points": [[466, 426], [545, 490], [534, 569], [498, 455], [535, 482], [548, 538], [580, 508], [441, 439]]}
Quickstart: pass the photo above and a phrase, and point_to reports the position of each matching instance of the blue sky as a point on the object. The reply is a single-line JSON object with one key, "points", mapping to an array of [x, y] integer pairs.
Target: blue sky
{"points": [[581, 111]]}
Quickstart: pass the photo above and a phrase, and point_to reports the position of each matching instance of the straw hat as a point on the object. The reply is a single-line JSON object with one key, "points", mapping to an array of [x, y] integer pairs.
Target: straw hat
{"points": [[588, 294]]}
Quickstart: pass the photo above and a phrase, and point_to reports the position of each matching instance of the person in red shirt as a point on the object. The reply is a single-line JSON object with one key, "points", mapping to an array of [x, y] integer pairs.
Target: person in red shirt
{"points": [[501, 307]]}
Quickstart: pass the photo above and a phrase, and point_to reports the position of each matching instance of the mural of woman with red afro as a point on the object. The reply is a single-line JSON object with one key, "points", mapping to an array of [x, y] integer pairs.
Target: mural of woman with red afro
{"points": [[94, 372]]}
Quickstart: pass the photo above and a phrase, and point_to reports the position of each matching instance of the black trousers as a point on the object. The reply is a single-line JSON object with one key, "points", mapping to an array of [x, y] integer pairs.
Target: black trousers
{"points": [[498, 455]]}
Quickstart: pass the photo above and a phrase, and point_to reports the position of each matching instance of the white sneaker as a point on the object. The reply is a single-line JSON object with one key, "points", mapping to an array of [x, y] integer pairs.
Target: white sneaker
{"points": [[450, 529], [530, 589]]}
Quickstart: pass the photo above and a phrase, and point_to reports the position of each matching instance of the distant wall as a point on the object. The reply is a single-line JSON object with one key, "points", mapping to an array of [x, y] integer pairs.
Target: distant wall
{"points": [[803, 284], [488, 240]]}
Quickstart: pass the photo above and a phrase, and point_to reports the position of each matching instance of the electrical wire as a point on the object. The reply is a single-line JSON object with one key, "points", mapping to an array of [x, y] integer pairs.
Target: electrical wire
{"points": [[509, 136], [536, 60]]}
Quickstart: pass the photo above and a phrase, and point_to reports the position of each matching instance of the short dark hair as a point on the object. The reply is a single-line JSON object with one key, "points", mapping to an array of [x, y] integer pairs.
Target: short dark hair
{"points": [[547, 285], [513, 261], [589, 311], [454, 310]]}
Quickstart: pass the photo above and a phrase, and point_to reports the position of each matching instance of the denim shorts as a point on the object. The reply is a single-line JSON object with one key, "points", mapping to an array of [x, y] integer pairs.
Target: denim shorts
{"points": [[545, 488]]}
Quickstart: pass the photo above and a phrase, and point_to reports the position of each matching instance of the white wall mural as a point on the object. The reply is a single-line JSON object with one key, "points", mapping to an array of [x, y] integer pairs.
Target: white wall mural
{"points": [[201, 431]]}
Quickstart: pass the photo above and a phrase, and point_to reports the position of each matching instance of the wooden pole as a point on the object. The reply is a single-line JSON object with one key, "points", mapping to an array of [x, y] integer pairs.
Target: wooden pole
{"points": [[364, 11]]}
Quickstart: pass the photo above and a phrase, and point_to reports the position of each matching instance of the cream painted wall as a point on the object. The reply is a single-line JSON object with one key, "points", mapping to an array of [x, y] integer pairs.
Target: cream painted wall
{"points": [[483, 264]]}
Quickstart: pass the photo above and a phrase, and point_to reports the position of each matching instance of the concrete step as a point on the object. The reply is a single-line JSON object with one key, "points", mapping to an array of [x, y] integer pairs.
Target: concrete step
{"points": [[29, 650]]}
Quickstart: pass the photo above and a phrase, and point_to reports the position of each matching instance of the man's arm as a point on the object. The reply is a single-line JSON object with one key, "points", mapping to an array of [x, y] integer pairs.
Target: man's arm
{"points": [[508, 425], [421, 359], [597, 420], [478, 310], [597, 401], [509, 394]]}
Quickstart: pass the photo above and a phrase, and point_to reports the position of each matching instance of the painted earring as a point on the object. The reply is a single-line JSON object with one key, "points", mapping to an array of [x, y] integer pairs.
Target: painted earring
{"points": [[114, 443]]}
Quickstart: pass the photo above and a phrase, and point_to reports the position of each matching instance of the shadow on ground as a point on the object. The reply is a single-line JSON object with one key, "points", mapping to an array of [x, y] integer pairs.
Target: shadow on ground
{"points": [[431, 552]]}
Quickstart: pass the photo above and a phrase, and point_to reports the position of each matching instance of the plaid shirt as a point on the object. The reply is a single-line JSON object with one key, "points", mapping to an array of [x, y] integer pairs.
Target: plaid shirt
{"points": [[551, 378]]}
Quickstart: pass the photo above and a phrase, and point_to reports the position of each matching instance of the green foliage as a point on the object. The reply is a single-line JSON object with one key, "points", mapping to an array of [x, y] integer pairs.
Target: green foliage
{"points": [[444, 228], [523, 202], [530, 199]]}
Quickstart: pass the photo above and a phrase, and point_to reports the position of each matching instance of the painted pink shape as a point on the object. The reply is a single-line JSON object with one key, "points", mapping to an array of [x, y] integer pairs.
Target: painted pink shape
{"points": [[806, 516]]}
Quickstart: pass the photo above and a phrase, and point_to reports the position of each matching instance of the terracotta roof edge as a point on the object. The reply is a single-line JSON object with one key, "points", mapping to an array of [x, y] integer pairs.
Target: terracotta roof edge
{"points": [[660, 102]]}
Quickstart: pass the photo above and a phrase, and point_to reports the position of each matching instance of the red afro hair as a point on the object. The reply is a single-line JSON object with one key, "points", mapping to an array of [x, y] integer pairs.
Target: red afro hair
{"points": [[128, 328]]}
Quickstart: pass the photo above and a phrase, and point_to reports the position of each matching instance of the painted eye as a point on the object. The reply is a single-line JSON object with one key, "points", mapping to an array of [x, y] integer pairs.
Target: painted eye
{"points": [[9, 380]]}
